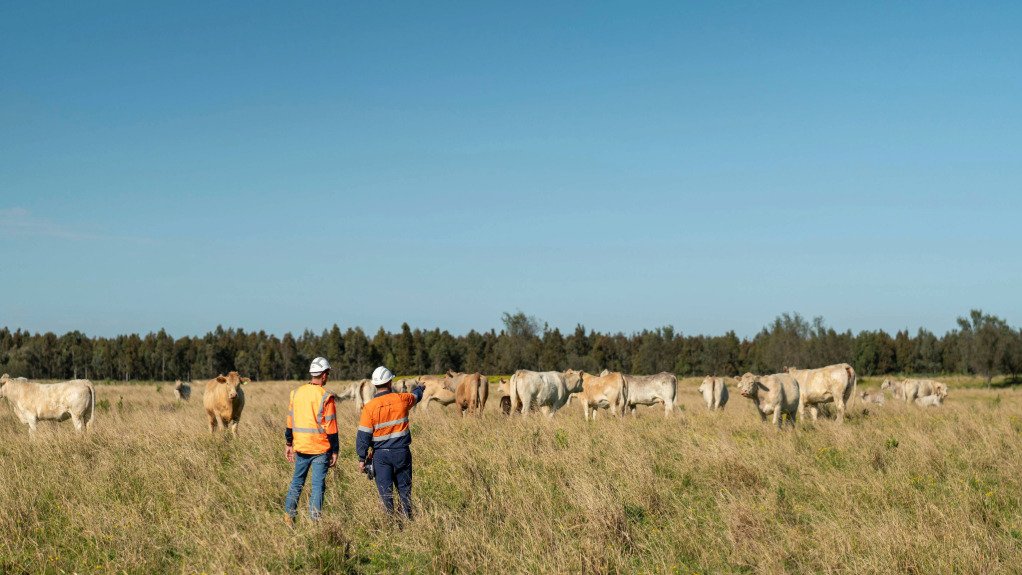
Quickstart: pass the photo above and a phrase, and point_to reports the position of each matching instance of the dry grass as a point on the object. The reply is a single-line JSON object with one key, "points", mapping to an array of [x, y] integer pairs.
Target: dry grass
{"points": [[897, 490]]}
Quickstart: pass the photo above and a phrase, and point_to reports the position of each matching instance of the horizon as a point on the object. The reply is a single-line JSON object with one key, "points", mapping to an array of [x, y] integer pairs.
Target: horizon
{"points": [[623, 168]]}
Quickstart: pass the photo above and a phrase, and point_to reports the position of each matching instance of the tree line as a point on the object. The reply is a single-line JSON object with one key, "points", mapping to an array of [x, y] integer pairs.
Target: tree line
{"points": [[981, 344]]}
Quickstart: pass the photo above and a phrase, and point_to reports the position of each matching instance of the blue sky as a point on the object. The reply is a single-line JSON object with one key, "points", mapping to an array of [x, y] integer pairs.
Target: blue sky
{"points": [[620, 165]]}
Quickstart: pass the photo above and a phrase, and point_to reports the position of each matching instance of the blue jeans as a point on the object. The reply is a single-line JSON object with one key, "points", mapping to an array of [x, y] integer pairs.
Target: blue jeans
{"points": [[319, 464], [393, 468]]}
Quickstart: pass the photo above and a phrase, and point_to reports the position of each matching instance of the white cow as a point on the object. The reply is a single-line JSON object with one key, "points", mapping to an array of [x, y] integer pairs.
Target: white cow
{"points": [[547, 390], [772, 395], [872, 397], [929, 401], [650, 390], [911, 389], [823, 385], [714, 392], [32, 402]]}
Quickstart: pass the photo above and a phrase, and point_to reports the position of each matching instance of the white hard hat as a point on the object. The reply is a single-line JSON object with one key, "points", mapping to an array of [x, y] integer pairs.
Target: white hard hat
{"points": [[381, 376], [319, 365]]}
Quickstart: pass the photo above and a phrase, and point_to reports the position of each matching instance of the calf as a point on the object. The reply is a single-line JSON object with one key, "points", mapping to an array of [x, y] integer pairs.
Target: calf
{"points": [[929, 401], [224, 400], [714, 391], [771, 394], [872, 397], [32, 402]]}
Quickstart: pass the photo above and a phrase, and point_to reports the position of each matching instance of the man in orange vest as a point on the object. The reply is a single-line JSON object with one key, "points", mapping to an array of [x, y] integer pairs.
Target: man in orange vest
{"points": [[311, 437], [384, 427]]}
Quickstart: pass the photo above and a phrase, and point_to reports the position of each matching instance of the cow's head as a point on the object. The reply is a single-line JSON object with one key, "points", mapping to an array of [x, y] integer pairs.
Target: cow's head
{"points": [[748, 385], [706, 388], [232, 380], [886, 384], [605, 373], [451, 373], [3, 381], [573, 379], [502, 388], [941, 390]]}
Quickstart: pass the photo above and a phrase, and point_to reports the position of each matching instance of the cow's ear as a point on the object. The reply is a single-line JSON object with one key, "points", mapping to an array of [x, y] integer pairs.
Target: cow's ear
{"points": [[221, 379], [245, 380]]}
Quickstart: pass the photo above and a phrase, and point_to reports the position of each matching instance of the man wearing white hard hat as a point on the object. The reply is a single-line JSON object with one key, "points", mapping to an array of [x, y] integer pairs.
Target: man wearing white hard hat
{"points": [[383, 427], [311, 437]]}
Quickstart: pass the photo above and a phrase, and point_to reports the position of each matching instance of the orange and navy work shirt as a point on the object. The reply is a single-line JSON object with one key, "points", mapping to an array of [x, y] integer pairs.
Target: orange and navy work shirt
{"points": [[384, 422], [312, 420]]}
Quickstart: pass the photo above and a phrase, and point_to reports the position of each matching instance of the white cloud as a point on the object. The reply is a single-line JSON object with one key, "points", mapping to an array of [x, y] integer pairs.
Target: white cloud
{"points": [[21, 222]]}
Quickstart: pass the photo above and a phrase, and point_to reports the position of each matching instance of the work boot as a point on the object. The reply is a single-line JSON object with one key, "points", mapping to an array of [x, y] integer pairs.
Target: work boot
{"points": [[289, 521]]}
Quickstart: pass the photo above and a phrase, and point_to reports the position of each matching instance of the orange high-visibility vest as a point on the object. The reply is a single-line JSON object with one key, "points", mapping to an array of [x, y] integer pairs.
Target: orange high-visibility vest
{"points": [[311, 416]]}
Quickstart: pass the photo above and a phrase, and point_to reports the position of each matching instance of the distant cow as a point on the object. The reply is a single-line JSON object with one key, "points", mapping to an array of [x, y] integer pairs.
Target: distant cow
{"points": [[32, 402], [772, 395], [182, 390], [872, 397], [470, 390], [714, 392], [896, 388], [833, 383], [608, 392], [405, 384], [224, 400], [911, 389], [547, 390], [661, 388], [929, 401]]}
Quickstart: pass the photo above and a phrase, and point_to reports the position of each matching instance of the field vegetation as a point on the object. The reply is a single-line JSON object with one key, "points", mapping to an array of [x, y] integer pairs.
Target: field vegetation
{"points": [[897, 489]]}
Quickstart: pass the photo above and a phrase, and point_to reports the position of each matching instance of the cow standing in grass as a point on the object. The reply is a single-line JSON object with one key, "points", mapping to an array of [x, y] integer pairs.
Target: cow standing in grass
{"points": [[714, 392], [439, 388], [470, 390], [224, 401], [659, 388], [32, 402], [775, 395], [608, 392], [834, 383], [547, 390]]}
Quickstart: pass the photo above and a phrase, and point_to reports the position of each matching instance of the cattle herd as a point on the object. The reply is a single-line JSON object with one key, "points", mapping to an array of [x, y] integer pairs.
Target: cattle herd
{"points": [[782, 396]]}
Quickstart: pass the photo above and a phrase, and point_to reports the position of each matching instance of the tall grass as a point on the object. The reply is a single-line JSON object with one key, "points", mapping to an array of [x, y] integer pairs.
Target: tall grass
{"points": [[895, 490]]}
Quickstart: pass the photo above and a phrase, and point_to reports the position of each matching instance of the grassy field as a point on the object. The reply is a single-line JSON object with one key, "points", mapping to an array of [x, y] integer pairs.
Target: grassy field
{"points": [[895, 490]]}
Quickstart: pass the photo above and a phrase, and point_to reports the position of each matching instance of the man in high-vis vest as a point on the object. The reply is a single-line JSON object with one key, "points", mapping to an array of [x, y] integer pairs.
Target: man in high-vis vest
{"points": [[383, 427], [311, 437]]}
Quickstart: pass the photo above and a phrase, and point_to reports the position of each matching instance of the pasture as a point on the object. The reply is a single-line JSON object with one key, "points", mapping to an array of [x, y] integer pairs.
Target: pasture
{"points": [[897, 489]]}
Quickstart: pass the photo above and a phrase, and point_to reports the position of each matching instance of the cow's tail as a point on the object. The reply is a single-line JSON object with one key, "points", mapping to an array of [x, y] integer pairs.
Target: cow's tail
{"points": [[624, 395], [853, 381], [92, 407], [514, 394]]}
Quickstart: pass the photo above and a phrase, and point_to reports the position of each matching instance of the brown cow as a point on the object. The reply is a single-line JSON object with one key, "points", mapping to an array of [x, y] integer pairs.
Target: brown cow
{"points": [[603, 392], [470, 390], [224, 400]]}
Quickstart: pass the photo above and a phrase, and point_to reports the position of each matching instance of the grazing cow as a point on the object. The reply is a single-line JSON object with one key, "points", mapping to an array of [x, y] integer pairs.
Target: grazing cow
{"points": [[439, 388], [603, 392], [470, 390], [872, 397], [547, 390], [911, 389], [32, 402], [182, 390], [650, 390], [714, 391], [823, 385], [929, 401], [224, 401], [772, 394], [405, 384], [362, 392], [896, 388]]}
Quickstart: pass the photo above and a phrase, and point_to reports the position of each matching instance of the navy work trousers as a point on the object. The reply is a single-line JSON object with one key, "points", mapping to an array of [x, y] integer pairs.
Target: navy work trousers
{"points": [[393, 468]]}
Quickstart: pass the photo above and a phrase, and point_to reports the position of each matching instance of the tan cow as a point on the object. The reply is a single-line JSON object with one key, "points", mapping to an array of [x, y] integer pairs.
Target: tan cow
{"points": [[603, 392], [405, 384], [833, 383], [929, 401], [32, 402], [714, 392], [470, 390], [772, 395], [439, 388], [224, 400], [182, 391]]}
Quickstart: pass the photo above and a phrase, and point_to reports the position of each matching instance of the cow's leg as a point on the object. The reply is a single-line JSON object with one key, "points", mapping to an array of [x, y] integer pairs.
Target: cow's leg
{"points": [[668, 409], [585, 411], [31, 421], [77, 421], [802, 408], [527, 405], [232, 426], [777, 416], [839, 403], [814, 412], [212, 422]]}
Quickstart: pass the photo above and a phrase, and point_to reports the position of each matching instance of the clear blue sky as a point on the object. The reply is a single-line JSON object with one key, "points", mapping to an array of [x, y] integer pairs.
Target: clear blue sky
{"points": [[622, 165]]}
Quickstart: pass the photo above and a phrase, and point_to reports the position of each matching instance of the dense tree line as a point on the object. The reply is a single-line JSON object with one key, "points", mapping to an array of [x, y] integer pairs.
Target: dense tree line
{"points": [[982, 344]]}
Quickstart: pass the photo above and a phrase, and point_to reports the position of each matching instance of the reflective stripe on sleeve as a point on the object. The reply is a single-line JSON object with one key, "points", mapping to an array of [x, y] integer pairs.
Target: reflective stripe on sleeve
{"points": [[365, 429]]}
